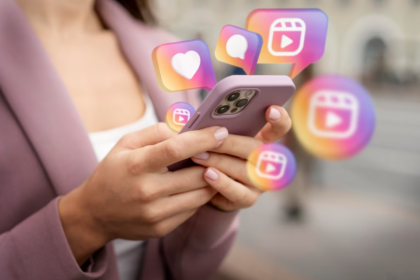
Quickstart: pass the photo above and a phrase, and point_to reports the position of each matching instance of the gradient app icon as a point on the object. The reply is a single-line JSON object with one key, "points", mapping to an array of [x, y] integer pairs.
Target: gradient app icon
{"points": [[294, 36], [239, 47], [333, 117], [178, 115], [183, 65], [271, 167], [333, 114]]}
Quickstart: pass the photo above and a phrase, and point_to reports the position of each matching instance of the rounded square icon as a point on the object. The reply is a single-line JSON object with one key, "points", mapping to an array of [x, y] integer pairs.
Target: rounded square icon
{"points": [[181, 116], [239, 47], [183, 65], [333, 114], [286, 37], [271, 165], [296, 36]]}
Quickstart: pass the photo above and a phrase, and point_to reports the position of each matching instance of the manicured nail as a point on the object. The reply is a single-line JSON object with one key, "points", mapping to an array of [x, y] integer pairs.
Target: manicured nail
{"points": [[202, 156], [211, 174], [221, 134], [274, 114]]}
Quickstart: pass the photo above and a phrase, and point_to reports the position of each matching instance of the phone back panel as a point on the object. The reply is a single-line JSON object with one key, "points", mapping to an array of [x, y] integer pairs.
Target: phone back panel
{"points": [[271, 90]]}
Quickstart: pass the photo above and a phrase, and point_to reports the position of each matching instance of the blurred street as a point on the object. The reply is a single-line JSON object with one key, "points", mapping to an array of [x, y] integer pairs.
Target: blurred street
{"points": [[361, 218]]}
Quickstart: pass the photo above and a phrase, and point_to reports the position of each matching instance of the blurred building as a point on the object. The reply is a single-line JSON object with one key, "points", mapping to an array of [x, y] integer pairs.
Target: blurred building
{"points": [[377, 41]]}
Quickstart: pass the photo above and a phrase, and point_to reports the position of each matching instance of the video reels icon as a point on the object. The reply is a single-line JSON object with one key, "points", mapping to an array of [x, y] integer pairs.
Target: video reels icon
{"points": [[181, 116], [287, 37], [333, 114], [271, 165]]}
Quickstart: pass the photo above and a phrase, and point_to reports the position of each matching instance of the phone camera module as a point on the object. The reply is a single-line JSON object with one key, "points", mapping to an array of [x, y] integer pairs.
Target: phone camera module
{"points": [[241, 103], [222, 109], [233, 96], [249, 93]]}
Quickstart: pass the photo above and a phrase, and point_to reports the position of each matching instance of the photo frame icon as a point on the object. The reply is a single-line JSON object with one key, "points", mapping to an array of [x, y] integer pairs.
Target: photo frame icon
{"points": [[290, 30], [181, 116], [271, 165], [339, 113]]}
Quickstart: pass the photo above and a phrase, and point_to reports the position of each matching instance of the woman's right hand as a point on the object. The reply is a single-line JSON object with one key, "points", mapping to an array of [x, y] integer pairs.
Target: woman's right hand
{"points": [[132, 195]]}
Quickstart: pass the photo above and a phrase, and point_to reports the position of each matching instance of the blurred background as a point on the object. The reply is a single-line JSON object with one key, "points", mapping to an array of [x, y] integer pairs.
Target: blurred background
{"points": [[346, 220]]}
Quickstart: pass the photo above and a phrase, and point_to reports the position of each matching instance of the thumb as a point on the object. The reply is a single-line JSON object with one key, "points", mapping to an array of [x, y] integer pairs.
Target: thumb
{"points": [[149, 136]]}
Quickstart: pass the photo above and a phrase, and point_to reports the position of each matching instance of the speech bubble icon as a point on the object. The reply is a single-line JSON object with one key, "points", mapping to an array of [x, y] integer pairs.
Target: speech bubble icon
{"points": [[184, 65], [236, 46], [294, 36], [239, 47]]}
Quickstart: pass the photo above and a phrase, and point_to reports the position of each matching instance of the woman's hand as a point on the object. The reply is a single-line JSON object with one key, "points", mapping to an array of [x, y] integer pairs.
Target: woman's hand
{"points": [[227, 171], [278, 124], [132, 195]]}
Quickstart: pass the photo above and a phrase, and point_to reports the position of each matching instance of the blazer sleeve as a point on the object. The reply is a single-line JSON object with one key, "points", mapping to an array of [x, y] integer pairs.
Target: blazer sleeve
{"points": [[37, 248], [196, 249]]}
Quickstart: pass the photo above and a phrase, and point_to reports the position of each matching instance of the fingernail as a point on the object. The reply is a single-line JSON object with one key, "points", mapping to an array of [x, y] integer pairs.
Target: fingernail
{"points": [[211, 174], [202, 156], [221, 134], [274, 114]]}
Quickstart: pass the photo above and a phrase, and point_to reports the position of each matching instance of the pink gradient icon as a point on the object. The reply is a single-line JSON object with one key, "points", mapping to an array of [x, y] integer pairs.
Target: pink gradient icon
{"points": [[294, 36], [239, 47], [271, 167], [178, 115], [333, 117], [184, 65]]}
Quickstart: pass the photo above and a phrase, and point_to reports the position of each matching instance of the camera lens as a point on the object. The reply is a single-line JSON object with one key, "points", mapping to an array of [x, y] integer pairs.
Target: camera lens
{"points": [[233, 96], [241, 103], [222, 109]]}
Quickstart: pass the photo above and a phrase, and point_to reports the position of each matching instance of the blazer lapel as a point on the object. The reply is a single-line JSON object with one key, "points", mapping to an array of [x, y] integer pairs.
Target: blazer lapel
{"points": [[41, 103], [137, 42]]}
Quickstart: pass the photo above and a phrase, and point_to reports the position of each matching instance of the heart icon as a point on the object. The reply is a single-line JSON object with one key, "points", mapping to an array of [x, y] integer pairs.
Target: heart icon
{"points": [[186, 64]]}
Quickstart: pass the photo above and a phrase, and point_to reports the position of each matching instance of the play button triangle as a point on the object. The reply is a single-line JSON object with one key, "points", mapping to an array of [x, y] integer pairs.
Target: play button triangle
{"points": [[285, 41], [181, 119], [332, 120], [269, 168]]}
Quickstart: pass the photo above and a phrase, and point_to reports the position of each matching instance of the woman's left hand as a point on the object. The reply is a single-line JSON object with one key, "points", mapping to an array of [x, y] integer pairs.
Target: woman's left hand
{"points": [[226, 166]]}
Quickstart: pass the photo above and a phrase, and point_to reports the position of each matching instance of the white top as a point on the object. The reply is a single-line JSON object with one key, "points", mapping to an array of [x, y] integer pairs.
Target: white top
{"points": [[129, 253]]}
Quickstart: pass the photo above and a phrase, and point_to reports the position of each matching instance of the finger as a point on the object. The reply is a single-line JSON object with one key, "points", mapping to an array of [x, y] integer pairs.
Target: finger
{"points": [[279, 123], [166, 226], [231, 166], [148, 136], [239, 194], [178, 203], [177, 148], [238, 146], [180, 181]]}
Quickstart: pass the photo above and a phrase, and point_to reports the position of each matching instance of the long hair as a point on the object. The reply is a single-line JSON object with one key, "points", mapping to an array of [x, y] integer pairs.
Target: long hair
{"points": [[139, 9]]}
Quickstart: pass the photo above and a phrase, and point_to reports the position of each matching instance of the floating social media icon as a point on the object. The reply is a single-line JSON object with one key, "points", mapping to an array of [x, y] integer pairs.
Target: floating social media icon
{"points": [[294, 36], [236, 46], [178, 115], [271, 167], [183, 65], [333, 117], [186, 64], [333, 114], [291, 40], [239, 47]]}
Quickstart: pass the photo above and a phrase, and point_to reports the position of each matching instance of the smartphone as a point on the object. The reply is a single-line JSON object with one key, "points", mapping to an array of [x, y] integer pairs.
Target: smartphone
{"points": [[239, 104]]}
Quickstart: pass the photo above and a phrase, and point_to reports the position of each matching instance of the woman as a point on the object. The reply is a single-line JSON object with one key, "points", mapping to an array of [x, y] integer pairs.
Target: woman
{"points": [[75, 76]]}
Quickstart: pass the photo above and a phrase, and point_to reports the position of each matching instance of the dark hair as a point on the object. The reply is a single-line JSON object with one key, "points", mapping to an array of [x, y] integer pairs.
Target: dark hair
{"points": [[139, 9]]}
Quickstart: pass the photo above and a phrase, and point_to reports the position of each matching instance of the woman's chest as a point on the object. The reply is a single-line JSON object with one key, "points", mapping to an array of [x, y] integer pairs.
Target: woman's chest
{"points": [[100, 81]]}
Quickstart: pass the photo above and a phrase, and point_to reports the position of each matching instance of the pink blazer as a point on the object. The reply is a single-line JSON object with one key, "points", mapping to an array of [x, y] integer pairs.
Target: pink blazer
{"points": [[45, 153]]}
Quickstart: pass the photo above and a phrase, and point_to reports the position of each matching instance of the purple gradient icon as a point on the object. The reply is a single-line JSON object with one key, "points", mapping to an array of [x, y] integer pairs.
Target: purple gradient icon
{"points": [[239, 47], [184, 65], [294, 36]]}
